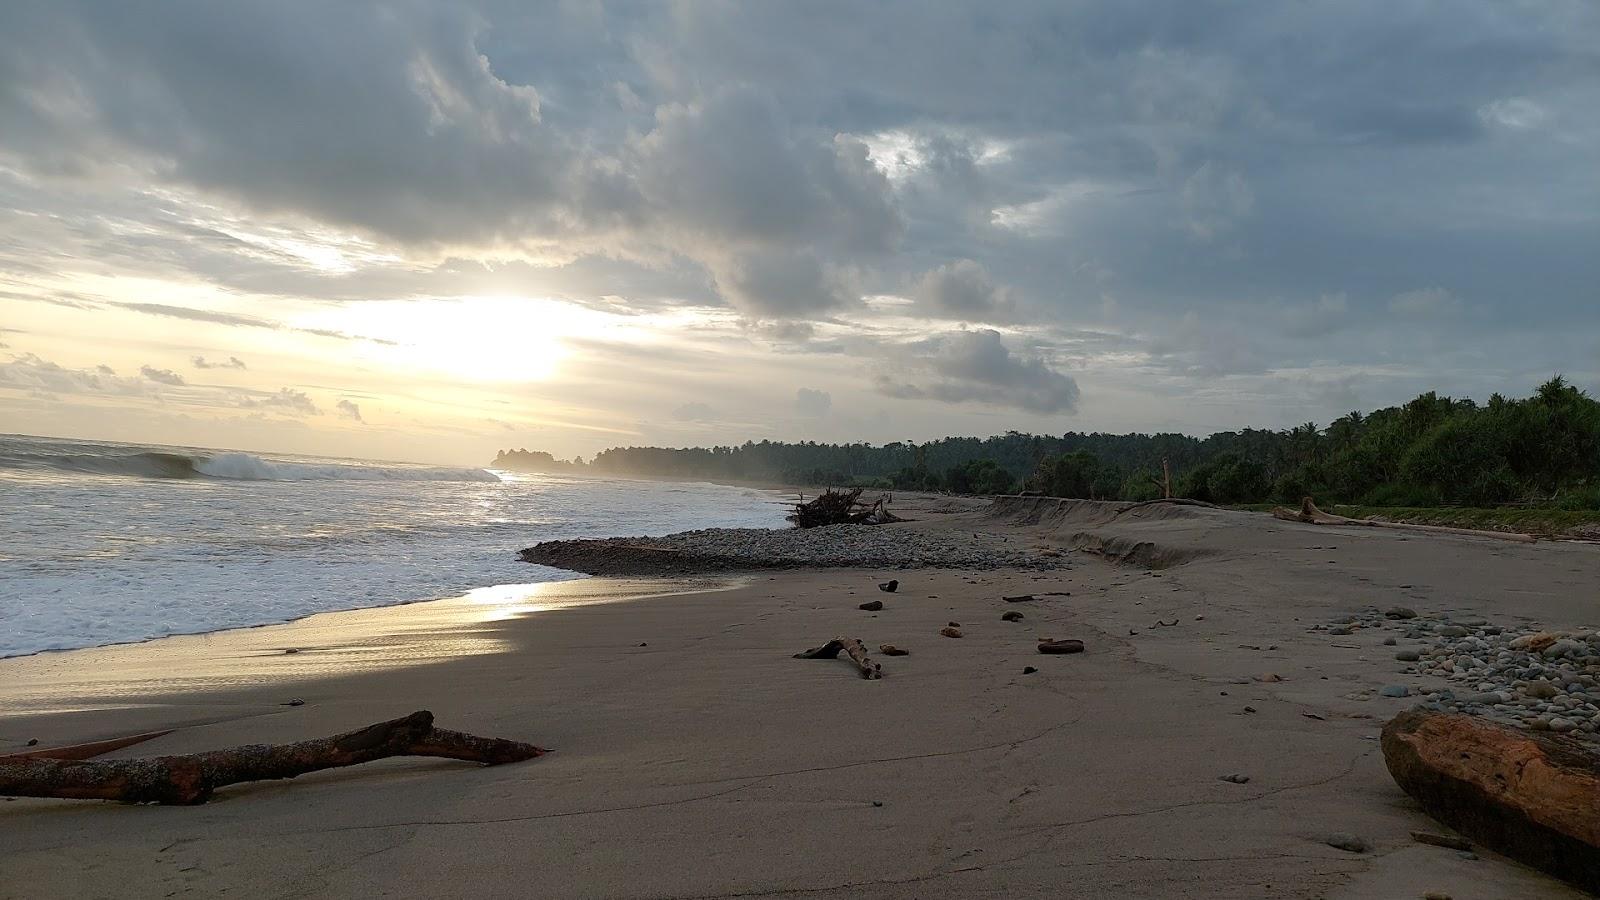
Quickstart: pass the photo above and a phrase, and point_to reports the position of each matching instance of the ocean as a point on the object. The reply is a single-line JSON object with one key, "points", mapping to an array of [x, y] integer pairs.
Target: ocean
{"points": [[104, 543]]}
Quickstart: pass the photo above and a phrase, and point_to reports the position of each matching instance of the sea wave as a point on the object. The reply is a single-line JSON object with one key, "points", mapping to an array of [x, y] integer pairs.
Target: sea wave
{"points": [[247, 467]]}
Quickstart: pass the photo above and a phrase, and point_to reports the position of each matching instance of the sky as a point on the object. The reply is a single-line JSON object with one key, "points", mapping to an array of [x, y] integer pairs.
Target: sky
{"points": [[428, 231]]}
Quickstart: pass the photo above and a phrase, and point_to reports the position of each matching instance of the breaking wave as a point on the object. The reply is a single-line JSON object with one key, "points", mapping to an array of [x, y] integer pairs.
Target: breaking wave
{"points": [[246, 467]]}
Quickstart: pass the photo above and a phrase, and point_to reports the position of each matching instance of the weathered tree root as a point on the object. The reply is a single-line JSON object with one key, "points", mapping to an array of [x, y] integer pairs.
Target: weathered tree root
{"points": [[1311, 515], [192, 778], [1534, 797], [852, 648]]}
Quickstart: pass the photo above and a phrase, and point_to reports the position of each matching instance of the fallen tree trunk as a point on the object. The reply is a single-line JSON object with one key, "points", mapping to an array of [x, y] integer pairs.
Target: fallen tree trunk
{"points": [[192, 778], [1534, 797], [1311, 515], [852, 648]]}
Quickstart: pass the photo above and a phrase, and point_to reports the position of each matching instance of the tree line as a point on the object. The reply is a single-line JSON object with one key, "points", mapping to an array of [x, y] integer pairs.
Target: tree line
{"points": [[1431, 451]]}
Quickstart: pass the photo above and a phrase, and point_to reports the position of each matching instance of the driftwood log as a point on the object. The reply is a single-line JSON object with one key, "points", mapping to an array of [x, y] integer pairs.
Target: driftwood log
{"points": [[192, 778], [87, 751], [1311, 515], [851, 648], [1532, 796]]}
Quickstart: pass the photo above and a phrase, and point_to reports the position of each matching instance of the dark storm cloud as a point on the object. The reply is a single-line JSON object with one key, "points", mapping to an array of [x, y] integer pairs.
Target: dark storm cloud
{"points": [[1233, 187]]}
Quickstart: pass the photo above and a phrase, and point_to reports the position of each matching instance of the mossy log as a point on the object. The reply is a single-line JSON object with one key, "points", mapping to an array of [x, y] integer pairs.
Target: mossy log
{"points": [[192, 778]]}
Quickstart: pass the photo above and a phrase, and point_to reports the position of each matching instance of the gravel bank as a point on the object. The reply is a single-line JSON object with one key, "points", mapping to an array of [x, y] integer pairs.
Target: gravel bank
{"points": [[736, 549], [1541, 680]]}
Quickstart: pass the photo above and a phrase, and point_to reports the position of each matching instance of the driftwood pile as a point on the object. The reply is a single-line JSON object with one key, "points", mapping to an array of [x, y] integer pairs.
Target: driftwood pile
{"points": [[833, 507], [68, 773], [1533, 796]]}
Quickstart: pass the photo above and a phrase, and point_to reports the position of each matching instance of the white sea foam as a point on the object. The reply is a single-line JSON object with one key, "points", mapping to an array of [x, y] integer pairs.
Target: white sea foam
{"points": [[93, 558]]}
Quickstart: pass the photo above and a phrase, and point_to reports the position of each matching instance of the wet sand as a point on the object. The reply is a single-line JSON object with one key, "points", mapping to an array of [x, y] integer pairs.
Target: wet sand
{"points": [[709, 763]]}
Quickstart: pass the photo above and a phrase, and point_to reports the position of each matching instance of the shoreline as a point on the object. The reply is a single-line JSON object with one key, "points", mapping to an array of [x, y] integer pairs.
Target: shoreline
{"points": [[685, 730]]}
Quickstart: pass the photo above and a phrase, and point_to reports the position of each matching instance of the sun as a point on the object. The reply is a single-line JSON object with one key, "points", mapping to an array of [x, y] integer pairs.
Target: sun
{"points": [[487, 338]]}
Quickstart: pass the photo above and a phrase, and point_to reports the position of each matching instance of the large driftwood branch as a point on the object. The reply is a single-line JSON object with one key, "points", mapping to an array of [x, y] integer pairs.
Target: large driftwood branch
{"points": [[192, 778], [1311, 515], [1534, 797], [852, 648]]}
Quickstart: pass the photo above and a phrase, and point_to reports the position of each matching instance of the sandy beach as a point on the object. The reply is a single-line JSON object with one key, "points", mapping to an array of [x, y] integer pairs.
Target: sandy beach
{"points": [[695, 758]]}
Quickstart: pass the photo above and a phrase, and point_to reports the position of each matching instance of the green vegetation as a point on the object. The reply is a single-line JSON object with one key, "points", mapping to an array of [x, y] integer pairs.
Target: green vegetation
{"points": [[1542, 452]]}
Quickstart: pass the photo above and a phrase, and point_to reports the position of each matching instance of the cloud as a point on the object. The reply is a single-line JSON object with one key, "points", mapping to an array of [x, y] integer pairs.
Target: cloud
{"points": [[161, 376], [29, 373], [812, 403], [236, 320], [287, 400], [963, 290], [104, 369], [232, 362], [1425, 303], [349, 410], [977, 366], [695, 412]]}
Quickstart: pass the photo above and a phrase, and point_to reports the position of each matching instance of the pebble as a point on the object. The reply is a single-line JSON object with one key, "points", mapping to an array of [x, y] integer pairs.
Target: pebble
{"points": [[1341, 631], [1400, 612], [1408, 656], [1344, 840], [1028, 670], [871, 605], [1436, 895], [1389, 642], [1235, 778], [1562, 726], [1394, 690]]}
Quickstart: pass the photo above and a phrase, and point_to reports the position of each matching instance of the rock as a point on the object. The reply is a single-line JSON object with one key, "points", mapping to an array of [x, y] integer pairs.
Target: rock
{"points": [[291, 650], [1527, 795], [1389, 642], [954, 624], [892, 650], [889, 586], [1012, 616], [1540, 690], [1269, 677], [1235, 778], [1066, 645], [1028, 670], [1408, 656], [950, 632], [1435, 895], [871, 605], [1562, 726], [1394, 690], [1453, 631], [33, 742], [1344, 840], [1400, 612], [1340, 631], [294, 702], [1534, 643]]}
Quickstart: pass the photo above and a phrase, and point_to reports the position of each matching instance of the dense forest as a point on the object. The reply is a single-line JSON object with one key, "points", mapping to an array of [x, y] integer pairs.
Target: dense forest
{"points": [[1432, 451]]}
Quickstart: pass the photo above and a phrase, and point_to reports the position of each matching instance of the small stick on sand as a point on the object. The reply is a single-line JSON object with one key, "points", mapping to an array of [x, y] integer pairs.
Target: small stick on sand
{"points": [[852, 648]]}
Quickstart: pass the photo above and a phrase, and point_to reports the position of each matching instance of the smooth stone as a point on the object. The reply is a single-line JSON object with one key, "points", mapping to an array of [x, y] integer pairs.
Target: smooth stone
{"points": [[1562, 726], [1344, 840], [1235, 778], [1401, 612], [1453, 631], [1408, 656], [1394, 690]]}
